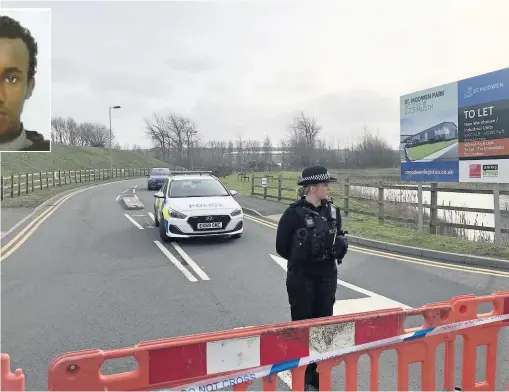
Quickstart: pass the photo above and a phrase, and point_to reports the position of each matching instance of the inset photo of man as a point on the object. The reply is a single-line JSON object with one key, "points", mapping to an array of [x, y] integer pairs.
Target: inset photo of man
{"points": [[25, 87]]}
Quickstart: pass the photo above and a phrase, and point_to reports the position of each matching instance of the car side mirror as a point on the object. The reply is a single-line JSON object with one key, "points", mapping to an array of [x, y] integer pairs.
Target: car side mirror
{"points": [[159, 195], [233, 192]]}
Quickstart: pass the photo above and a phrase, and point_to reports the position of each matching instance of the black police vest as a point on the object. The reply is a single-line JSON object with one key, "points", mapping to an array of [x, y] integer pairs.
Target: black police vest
{"points": [[312, 244]]}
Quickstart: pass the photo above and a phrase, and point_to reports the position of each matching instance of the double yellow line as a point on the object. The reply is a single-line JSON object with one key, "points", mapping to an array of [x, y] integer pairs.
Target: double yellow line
{"points": [[407, 259], [9, 248]]}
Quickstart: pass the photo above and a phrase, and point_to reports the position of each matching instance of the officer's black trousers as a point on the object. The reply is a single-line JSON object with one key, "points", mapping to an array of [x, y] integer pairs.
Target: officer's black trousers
{"points": [[312, 294]]}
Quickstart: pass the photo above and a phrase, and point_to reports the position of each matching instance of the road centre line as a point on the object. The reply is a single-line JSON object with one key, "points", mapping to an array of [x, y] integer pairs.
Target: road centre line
{"points": [[133, 221], [175, 262], [382, 299], [191, 262], [408, 259]]}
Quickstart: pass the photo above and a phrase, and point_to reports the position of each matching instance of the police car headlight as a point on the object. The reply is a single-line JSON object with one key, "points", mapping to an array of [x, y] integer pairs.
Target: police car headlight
{"points": [[177, 215], [236, 212]]}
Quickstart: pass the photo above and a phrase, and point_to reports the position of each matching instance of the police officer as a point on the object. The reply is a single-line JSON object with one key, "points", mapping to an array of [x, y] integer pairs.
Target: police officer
{"points": [[310, 237]]}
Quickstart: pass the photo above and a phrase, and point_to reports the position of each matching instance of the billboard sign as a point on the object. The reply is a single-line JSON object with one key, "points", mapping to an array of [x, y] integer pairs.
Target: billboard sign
{"points": [[457, 132]]}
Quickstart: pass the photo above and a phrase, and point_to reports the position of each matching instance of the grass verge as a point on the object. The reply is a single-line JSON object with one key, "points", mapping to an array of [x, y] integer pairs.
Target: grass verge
{"points": [[368, 227], [425, 150], [64, 157]]}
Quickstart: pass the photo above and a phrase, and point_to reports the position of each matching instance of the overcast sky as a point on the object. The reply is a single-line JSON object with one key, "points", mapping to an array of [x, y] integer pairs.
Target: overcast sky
{"points": [[248, 67]]}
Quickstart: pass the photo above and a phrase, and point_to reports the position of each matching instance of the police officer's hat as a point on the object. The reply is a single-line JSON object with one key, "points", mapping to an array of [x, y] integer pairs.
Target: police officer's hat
{"points": [[315, 174]]}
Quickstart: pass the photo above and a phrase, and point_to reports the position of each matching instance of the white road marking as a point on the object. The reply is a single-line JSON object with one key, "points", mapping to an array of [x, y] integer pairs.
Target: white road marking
{"points": [[175, 262], [133, 221], [124, 191], [152, 216], [374, 301], [191, 262], [118, 197], [348, 306]]}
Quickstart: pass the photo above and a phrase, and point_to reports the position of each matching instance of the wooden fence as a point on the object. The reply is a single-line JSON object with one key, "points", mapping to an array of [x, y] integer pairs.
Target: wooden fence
{"points": [[435, 225], [22, 184]]}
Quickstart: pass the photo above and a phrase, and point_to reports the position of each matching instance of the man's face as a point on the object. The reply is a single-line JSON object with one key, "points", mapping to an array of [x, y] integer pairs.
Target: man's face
{"points": [[15, 87], [321, 190]]}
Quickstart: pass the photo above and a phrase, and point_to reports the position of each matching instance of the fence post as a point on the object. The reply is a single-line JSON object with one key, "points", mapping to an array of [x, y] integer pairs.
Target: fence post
{"points": [[32, 179], [420, 208], [1, 187], [433, 211], [40, 180], [26, 183], [381, 206], [496, 212], [252, 185], [346, 196], [19, 185], [59, 178], [12, 186], [47, 179], [279, 187], [265, 189]]}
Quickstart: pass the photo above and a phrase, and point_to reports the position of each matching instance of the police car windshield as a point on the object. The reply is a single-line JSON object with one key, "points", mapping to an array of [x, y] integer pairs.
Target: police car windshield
{"points": [[160, 172], [197, 188]]}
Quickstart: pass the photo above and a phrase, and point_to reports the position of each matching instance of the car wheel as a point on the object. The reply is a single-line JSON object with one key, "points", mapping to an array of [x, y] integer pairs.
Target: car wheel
{"points": [[162, 232]]}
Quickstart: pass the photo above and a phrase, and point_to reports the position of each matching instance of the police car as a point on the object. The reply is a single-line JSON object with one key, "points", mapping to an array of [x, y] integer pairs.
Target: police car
{"points": [[156, 177], [196, 204]]}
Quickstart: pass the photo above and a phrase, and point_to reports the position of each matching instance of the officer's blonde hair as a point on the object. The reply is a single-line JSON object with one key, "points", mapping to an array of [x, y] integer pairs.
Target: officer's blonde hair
{"points": [[302, 191]]}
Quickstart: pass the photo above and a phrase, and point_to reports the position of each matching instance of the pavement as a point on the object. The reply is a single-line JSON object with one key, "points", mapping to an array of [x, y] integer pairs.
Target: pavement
{"points": [[449, 153], [93, 274], [10, 217]]}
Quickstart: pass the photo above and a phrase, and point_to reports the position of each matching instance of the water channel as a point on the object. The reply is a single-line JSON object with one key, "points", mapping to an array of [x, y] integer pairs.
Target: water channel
{"points": [[471, 200]]}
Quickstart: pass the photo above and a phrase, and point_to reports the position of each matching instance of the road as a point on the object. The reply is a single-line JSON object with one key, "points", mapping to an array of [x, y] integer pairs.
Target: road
{"points": [[91, 277]]}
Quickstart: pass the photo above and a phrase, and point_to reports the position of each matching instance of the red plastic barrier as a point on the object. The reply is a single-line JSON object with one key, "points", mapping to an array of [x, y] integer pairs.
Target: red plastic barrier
{"points": [[169, 363], [11, 381]]}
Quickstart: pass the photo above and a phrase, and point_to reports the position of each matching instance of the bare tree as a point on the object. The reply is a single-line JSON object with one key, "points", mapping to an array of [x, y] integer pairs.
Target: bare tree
{"points": [[190, 140], [58, 129], [95, 135], [267, 149], [307, 128], [157, 130], [302, 139]]}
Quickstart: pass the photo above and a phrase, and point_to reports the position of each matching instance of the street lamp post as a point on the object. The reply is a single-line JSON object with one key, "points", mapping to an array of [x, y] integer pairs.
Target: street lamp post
{"points": [[111, 157]]}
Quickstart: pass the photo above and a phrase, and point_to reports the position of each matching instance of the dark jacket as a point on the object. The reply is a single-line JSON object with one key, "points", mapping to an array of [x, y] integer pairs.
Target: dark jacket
{"points": [[290, 222], [38, 142]]}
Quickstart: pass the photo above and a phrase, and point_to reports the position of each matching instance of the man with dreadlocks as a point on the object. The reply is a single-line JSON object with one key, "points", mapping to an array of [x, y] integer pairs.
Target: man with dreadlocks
{"points": [[18, 64]]}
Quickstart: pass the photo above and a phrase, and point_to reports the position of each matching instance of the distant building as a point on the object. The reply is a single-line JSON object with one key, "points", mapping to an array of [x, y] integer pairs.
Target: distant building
{"points": [[443, 131]]}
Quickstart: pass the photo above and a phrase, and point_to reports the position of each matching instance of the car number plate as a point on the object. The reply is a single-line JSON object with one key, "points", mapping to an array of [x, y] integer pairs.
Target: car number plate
{"points": [[210, 225]]}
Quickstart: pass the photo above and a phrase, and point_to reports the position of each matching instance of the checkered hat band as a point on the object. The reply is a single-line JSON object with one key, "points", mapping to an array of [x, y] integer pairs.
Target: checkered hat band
{"points": [[317, 177]]}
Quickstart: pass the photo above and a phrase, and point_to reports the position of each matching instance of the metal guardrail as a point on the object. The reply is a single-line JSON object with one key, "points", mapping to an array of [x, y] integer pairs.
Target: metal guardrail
{"points": [[436, 225]]}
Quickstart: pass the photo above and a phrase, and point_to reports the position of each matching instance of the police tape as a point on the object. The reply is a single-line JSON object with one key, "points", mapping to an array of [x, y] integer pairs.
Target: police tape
{"points": [[225, 381]]}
